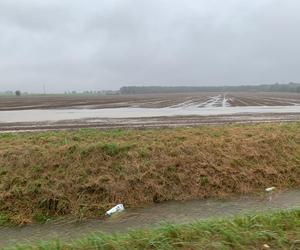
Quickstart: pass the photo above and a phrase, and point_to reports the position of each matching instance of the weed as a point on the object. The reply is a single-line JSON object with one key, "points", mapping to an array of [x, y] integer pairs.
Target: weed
{"points": [[73, 148], [118, 168], [114, 149], [172, 168], [35, 187], [145, 153], [104, 179], [82, 214], [42, 218], [4, 219], [3, 172], [204, 180], [37, 168], [216, 133]]}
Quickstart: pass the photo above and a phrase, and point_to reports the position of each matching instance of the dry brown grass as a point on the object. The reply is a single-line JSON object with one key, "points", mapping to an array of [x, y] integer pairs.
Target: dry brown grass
{"points": [[82, 173]]}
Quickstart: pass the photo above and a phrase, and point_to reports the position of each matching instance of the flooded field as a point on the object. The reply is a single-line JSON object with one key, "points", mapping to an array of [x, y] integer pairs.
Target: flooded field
{"points": [[53, 115], [174, 212], [201, 99], [59, 112]]}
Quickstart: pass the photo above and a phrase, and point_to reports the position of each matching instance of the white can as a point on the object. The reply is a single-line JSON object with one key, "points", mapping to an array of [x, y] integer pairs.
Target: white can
{"points": [[116, 209]]}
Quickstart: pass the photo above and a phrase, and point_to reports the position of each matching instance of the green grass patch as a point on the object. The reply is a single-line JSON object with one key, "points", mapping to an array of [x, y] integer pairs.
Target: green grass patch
{"points": [[42, 218], [113, 149], [203, 180], [4, 219], [110, 149]]}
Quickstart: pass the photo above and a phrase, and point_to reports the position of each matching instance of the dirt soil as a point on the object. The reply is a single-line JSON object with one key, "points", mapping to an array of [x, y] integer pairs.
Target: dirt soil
{"points": [[83, 173]]}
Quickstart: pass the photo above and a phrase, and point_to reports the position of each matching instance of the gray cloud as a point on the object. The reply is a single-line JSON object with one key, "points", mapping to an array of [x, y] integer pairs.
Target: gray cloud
{"points": [[76, 44]]}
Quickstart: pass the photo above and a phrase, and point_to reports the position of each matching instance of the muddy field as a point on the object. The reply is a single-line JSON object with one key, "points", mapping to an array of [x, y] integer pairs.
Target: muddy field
{"points": [[28, 113], [149, 101]]}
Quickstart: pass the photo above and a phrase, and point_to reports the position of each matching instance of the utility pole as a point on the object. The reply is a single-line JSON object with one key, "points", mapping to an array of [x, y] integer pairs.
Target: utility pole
{"points": [[44, 89]]}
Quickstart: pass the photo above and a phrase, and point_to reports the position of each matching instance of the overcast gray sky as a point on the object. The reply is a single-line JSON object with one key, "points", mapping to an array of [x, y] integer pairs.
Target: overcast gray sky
{"points": [[94, 45]]}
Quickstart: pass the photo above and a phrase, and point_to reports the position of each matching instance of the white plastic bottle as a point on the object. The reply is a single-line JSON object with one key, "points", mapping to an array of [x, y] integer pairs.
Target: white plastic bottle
{"points": [[116, 209]]}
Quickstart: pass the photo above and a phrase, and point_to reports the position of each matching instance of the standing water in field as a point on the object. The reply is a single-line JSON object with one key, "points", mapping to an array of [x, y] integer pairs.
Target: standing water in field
{"points": [[52, 115], [174, 212]]}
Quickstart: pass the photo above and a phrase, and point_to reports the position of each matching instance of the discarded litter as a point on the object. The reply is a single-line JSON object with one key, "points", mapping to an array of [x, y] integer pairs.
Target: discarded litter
{"points": [[116, 209], [270, 189]]}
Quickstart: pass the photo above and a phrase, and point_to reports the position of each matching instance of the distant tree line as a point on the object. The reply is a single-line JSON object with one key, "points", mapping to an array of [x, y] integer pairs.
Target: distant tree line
{"points": [[72, 92], [92, 92], [290, 87], [277, 87]]}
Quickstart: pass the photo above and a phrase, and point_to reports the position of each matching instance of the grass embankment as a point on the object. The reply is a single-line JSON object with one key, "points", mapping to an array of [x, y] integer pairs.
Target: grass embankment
{"points": [[82, 173], [280, 230]]}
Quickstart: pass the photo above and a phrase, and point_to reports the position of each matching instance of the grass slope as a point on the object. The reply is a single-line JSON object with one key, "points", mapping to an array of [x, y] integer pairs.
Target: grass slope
{"points": [[280, 230], [82, 173]]}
